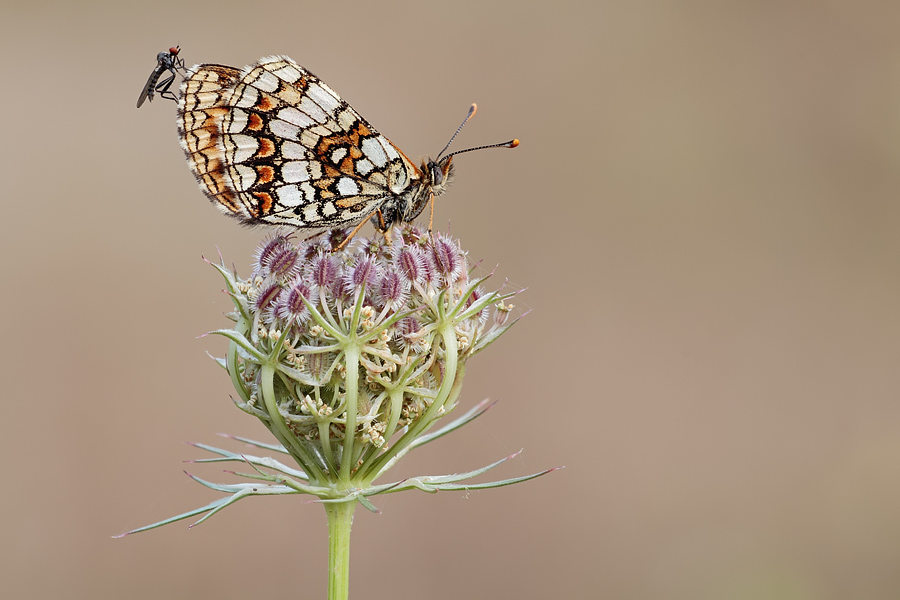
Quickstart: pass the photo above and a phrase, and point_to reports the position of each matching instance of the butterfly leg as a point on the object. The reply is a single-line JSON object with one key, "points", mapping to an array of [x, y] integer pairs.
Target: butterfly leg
{"points": [[353, 233], [431, 217], [383, 227]]}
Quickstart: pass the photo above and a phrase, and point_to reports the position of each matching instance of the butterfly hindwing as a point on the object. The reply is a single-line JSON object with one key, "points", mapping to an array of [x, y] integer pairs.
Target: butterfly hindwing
{"points": [[200, 113]]}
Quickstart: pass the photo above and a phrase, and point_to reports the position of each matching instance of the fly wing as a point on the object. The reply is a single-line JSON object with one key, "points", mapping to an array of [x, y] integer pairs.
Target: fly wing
{"points": [[147, 92]]}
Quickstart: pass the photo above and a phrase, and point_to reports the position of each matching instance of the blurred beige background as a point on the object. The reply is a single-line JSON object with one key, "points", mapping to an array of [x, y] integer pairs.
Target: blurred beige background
{"points": [[705, 208]]}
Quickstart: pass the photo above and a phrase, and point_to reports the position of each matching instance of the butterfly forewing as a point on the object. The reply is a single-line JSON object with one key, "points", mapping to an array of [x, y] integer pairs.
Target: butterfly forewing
{"points": [[274, 144]]}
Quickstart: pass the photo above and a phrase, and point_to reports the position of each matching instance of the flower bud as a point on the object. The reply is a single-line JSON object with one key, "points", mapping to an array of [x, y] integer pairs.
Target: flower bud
{"points": [[447, 258], [290, 307], [392, 290]]}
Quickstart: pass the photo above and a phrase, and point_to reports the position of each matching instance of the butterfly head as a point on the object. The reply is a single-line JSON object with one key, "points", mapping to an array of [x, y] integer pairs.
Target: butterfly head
{"points": [[433, 178], [438, 174]]}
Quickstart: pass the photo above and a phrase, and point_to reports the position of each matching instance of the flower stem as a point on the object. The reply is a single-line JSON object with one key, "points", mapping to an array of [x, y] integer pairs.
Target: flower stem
{"points": [[340, 518], [351, 391]]}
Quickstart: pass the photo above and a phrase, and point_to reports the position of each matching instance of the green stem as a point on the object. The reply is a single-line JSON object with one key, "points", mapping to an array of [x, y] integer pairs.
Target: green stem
{"points": [[448, 388], [351, 391], [340, 519], [280, 430]]}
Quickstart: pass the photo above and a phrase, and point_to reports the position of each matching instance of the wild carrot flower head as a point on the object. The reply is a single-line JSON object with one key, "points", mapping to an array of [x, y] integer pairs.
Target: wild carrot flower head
{"points": [[348, 355]]}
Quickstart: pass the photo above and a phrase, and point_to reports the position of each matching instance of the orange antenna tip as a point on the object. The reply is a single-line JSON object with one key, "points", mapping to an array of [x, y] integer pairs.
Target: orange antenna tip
{"points": [[514, 143], [472, 110]]}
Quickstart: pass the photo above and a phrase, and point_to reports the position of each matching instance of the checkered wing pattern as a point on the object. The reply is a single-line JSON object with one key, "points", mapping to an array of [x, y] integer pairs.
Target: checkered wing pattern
{"points": [[274, 144], [200, 113]]}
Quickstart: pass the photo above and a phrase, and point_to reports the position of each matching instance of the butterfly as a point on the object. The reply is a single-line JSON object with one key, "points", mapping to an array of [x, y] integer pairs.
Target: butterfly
{"points": [[165, 61], [273, 144]]}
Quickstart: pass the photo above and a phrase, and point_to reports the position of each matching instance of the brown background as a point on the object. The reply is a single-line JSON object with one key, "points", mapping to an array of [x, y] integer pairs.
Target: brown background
{"points": [[704, 208]]}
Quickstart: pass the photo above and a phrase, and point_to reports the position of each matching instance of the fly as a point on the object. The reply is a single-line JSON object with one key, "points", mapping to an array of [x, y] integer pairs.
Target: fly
{"points": [[165, 61]]}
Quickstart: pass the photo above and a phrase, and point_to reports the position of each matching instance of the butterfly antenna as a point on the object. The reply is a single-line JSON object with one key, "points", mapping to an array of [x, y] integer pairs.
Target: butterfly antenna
{"points": [[472, 110], [509, 144]]}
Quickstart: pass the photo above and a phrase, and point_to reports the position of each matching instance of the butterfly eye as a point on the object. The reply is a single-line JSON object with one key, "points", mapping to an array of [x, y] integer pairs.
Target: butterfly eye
{"points": [[437, 175]]}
